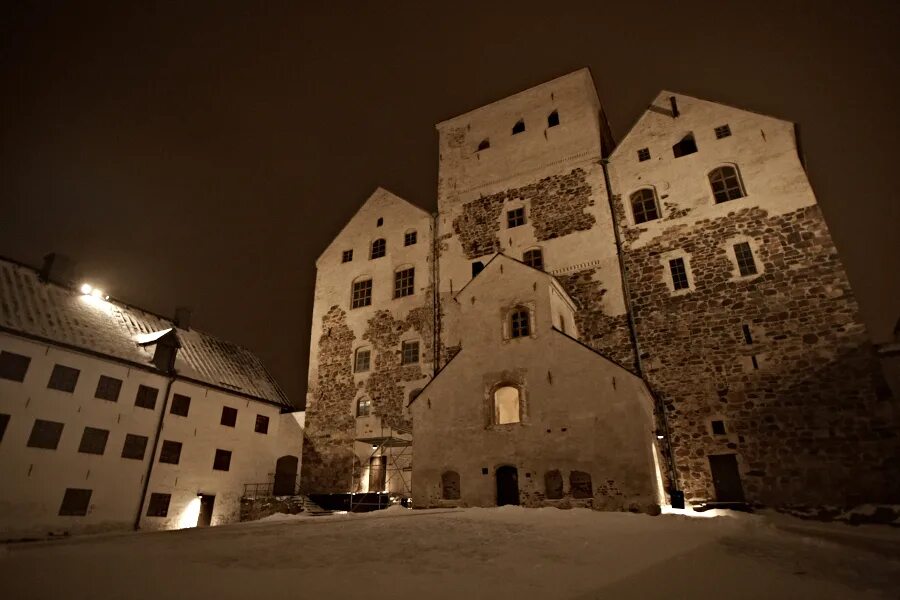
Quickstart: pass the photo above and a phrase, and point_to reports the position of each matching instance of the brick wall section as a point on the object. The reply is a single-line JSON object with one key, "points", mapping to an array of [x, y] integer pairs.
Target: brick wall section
{"points": [[806, 426]]}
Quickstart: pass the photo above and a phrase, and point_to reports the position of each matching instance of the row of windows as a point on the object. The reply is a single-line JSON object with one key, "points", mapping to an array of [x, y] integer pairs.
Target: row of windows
{"points": [[378, 248], [404, 285], [409, 355], [743, 255], [76, 502], [687, 144], [580, 485], [725, 183], [519, 127]]}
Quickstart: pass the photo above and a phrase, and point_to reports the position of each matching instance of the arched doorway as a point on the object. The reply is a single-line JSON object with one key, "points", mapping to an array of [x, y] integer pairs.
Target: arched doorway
{"points": [[507, 486], [285, 476]]}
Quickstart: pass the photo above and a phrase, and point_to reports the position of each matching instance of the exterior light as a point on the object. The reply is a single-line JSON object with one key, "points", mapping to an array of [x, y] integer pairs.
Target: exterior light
{"points": [[97, 293], [659, 436], [86, 288]]}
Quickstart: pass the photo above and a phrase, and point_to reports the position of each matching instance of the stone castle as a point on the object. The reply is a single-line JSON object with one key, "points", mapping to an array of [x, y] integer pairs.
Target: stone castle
{"points": [[599, 324]]}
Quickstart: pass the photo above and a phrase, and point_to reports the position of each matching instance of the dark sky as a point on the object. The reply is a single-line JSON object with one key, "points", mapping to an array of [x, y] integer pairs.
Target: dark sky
{"points": [[205, 153]]}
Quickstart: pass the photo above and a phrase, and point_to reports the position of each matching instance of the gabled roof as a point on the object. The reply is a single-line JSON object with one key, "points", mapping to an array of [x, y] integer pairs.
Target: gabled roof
{"points": [[480, 276], [63, 316]]}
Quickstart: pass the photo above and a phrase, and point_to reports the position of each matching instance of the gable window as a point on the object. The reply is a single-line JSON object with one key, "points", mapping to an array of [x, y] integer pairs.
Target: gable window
{"points": [[519, 325], [515, 217], [506, 405], [484, 145], [108, 388], [726, 184], [262, 424], [45, 434], [519, 127], [379, 247], [222, 461], [679, 274], [380, 222], [181, 405], [229, 416], [63, 378], [93, 441], [362, 293], [135, 446], [158, 505], [745, 261], [363, 407], [553, 119], [363, 358], [687, 145], [409, 353], [75, 502], [170, 452], [643, 154], [450, 485], [404, 282], [580, 484], [722, 131], [13, 366], [534, 258], [146, 397], [643, 206], [347, 256], [409, 238], [553, 485]]}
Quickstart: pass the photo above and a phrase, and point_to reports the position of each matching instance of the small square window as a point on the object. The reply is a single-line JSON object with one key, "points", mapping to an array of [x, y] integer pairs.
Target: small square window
{"points": [[146, 397], [170, 452], [63, 378], [229, 416], [362, 294], [93, 441], [4, 421], [744, 255], [718, 427], [135, 446], [363, 359], [404, 282], [45, 434], [515, 217], [679, 274], [553, 119], [108, 388], [181, 405], [722, 131], [222, 462], [75, 502], [410, 353], [13, 366], [347, 256], [687, 145], [159, 505], [409, 238], [262, 424], [643, 154], [519, 127]]}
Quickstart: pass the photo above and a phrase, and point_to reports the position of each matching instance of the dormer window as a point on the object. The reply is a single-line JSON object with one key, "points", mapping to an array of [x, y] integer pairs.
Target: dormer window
{"points": [[519, 127], [553, 119], [519, 322], [484, 145], [379, 247], [687, 145]]}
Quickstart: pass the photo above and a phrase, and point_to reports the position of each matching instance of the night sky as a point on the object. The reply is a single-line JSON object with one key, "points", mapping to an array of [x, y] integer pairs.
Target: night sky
{"points": [[205, 155]]}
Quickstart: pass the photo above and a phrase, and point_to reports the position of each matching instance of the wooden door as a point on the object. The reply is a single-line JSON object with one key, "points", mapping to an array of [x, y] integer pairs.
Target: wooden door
{"points": [[726, 478]]}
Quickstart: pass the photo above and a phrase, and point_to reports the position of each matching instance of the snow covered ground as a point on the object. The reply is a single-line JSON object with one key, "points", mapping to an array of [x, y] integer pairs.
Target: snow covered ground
{"points": [[496, 553]]}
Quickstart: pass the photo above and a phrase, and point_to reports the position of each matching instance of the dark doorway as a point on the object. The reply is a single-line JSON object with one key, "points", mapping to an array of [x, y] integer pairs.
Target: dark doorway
{"points": [[726, 478], [377, 468], [285, 476], [206, 510], [507, 486]]}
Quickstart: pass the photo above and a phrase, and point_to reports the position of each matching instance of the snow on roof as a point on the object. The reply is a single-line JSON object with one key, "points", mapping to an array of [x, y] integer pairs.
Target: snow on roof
{"points": [[58, 314]]}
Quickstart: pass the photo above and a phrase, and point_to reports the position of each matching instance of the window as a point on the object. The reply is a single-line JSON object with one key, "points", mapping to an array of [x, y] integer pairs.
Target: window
{"points": [[580, 484], [679, 274], [362, 293], [686, 146], [363, 356], [450, 485], [146, 397], [135, 446], [506, 405], [477, 267], [748, 337], [484, 145], [229, 416], [45, 434], [404, 282], [75, 502], [744, 256], [643, 206], [553, 485], [158, 505], [519, 127], [93, 441], [347, 256], [553, 119], [181, 404], [379, 247], [4, 421], [108, 388], [63, 378], [262, 424], [409, 353], [409, 238], [379, 222], [222, 461], [515, 217], [363, 407], [13, 366], [726, 184], [643, 154], [562, 323], [170, 452], [718, 427], [534, 258], [519, 325], [722, 131]]}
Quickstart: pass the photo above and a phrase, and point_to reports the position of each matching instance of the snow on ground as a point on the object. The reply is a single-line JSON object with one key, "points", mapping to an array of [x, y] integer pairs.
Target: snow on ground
{"points": [[496, 553]]}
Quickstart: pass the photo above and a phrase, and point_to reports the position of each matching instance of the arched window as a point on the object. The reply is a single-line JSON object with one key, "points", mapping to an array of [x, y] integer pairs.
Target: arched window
{"points": [[580, 484], [519, 127], [484, 145], [553, 119], [553, 485], [726, 184], [534, 258], [363, 406], [379, 247], [519, 322], [643, 206], [507, 405], [450, 485]]}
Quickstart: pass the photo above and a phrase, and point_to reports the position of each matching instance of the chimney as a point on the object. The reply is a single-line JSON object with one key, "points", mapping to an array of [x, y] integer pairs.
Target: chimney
{"points": [[183, 317], [58, 268], [165, 352], [674, 104]]}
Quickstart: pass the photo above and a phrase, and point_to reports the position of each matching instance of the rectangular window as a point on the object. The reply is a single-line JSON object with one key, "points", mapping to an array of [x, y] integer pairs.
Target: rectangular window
{"points": [[362, 294], [515, 217], [93, 441], [146, 397], [63, 378], [404, 282], [135, 446], [75, 503], [409, 238], [45, 434], [262, 424], [170, 452], [722, 131], [519, 326], [410, 353], [108, 388], [13, 366], [347, 256], [744, 256], [229, 416], [748, 337], [679, 274], [222, 462], [4, 421], [181, 404], [718, 427], [643, 154], [363, 356], [158, 505], [363, 407]]}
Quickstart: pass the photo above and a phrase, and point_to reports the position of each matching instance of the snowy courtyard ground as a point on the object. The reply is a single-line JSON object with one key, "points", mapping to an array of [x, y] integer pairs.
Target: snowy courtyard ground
{"points": [[497, 553]]}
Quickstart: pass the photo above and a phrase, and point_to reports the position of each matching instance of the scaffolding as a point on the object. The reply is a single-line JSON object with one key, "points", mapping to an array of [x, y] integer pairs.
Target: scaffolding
{"points": [[397, 468]]}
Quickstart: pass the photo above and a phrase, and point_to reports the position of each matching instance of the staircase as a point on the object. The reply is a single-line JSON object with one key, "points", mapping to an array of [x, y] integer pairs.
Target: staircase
{"points": [[313, 509]]}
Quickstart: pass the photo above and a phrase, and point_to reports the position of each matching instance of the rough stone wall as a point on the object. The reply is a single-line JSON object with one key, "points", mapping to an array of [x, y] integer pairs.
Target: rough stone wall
{"points": [[806, 425], [254, 509]]}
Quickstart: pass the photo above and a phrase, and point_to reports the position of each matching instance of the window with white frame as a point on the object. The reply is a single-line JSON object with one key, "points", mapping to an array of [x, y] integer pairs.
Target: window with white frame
{"points": [[726, 184]]}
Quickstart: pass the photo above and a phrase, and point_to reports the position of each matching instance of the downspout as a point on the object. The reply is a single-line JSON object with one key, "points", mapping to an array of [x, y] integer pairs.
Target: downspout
{"points": [[435, 298], [159, 426]]}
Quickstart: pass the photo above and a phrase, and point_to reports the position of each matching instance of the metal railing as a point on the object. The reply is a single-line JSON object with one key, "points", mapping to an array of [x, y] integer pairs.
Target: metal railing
{"points": [[267, 489]]}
